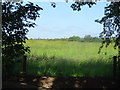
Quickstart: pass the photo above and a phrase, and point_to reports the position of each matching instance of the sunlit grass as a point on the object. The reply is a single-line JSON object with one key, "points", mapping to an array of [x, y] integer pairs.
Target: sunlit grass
{"points": [[66, 49]]}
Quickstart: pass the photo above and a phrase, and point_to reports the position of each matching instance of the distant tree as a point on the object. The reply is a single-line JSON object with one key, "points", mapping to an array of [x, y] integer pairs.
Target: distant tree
{"points": [[74, 38], [16, 17], [96, 39], [88, 38]]}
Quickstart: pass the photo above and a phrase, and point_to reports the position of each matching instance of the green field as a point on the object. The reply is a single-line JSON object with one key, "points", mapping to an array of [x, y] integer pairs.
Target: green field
{"points": [[65, 58]]}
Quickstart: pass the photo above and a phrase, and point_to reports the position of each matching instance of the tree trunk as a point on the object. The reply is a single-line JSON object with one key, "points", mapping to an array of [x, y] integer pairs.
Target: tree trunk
{"points": [[114, 65]]}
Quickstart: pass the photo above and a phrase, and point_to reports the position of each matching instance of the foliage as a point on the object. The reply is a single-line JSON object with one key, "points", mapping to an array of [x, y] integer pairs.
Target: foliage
{"points": [[74, 38], [87, 38], [53, 4], [16, 17], [77, 5], [96, 39], [111, 24]]}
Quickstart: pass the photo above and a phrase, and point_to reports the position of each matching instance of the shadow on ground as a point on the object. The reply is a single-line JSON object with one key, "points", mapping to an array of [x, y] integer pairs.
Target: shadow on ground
{"points": [[38, 82]]}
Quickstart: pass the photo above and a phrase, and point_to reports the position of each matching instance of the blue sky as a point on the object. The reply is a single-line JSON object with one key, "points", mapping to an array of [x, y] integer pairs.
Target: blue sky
{"points": [[63, 22]]}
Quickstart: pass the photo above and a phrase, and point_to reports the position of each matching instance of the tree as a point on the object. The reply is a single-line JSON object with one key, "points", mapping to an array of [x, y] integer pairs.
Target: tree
{"points": [[96, 39], [74, 38], [111, 28], [111, 24], [88, 38], [16, 17], [78, 3]]}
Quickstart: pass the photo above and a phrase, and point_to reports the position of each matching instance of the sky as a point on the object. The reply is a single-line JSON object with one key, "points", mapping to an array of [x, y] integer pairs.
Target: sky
{"points": [[63, 22]]}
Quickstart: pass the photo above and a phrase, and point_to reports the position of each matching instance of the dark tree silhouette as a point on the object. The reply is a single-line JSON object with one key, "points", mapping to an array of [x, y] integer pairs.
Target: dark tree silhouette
{"points": [[111, 24], [111, 28], [77, 5], [16, 17]]}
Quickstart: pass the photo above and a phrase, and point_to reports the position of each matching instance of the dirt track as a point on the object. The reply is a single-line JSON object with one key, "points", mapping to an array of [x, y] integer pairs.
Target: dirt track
{"points": [[38, 82]]}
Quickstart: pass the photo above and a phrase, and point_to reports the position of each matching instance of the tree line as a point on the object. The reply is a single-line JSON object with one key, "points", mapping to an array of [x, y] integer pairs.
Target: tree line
{"points": [[86, 38]]}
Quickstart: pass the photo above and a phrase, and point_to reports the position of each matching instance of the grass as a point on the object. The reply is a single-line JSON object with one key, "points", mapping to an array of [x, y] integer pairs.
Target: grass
{"points": [[64, 58], [65, 67]]}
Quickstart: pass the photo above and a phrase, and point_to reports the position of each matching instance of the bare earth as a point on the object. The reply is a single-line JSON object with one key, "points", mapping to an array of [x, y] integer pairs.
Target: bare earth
{"points": [[41, 82]]}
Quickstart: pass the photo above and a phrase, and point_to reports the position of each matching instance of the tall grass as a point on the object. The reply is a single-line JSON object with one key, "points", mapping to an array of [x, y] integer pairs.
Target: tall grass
{"points": [[64, 67], [66, 49], [64, 58]]}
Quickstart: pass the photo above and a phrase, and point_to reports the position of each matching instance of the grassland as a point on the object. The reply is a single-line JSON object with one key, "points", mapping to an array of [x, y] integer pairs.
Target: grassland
{"points": [[65, 58]]}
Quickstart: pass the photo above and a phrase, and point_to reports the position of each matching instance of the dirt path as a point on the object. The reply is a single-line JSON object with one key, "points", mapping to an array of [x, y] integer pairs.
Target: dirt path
{"points": [[38, 82]]}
